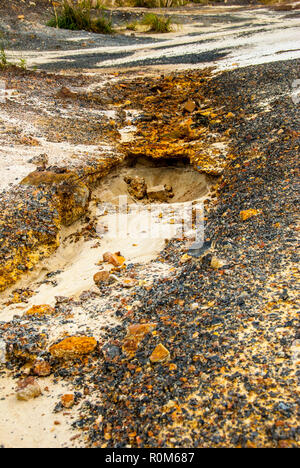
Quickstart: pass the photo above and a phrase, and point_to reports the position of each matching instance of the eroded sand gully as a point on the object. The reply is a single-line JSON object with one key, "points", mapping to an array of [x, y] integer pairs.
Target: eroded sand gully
{"points": [[146, 229]]}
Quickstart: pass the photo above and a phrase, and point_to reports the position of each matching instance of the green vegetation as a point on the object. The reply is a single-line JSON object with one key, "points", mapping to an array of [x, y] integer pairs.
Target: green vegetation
{"points": [[3, 59], [22, 63], [4, 63], [157, 23], [78, 17], [159, 3], [132, 26]]}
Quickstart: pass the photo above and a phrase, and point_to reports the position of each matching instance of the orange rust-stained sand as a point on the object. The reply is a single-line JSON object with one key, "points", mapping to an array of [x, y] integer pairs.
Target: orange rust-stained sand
{"points": [[176, 127]]}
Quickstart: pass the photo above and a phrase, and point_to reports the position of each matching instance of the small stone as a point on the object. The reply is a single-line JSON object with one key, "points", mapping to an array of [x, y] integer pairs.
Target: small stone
{"points": [[113, 259], [41, 310], [42, 368], [111, 351], [189, 106], [66, 93], [246, 214], [61, 300], [129, 282], [39, 160], [185, 258], [28, 389], [68, 400], [160, 354], [135, 335], [73, 347], [101, 277], [216, 263]]}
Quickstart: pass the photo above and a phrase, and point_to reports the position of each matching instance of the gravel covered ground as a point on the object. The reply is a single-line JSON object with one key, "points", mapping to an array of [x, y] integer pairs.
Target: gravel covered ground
{"points": [[232, 378], [231, 331], [203, 349]]}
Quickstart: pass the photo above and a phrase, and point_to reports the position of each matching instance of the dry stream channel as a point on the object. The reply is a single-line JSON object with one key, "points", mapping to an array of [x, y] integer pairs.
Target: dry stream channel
{"points": [[137, 228]]}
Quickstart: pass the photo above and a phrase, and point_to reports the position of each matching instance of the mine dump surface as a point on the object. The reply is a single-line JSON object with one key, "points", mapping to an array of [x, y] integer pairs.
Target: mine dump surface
{"points": [[148, 231]]}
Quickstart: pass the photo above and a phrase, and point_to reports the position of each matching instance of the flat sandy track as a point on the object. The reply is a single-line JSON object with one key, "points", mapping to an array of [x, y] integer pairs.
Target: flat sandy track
{"points": [[224, 37], [232, 378]]}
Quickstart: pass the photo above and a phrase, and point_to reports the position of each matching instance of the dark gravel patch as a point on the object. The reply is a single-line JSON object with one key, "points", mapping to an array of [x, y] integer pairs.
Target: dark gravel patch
{"points": [[204, 57]]}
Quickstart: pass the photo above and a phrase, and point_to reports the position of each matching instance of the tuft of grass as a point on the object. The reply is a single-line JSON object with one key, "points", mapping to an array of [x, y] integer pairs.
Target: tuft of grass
{"points": [[3, 58], [145, 3], [159, 3], [132, 26], [77, 17], [102, 25], [23, 63], [157, 23], [4, 63]]}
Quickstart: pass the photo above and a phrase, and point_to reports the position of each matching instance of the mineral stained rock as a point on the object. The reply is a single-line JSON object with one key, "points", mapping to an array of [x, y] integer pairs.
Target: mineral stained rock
{"points": [[135, 335], [114, 259], [28, 389], [137, 187], [68, 400], [73, 347], [72, 193], [101, 277], [160, 354], [41, 310], [246, 214], [41, 368]]}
